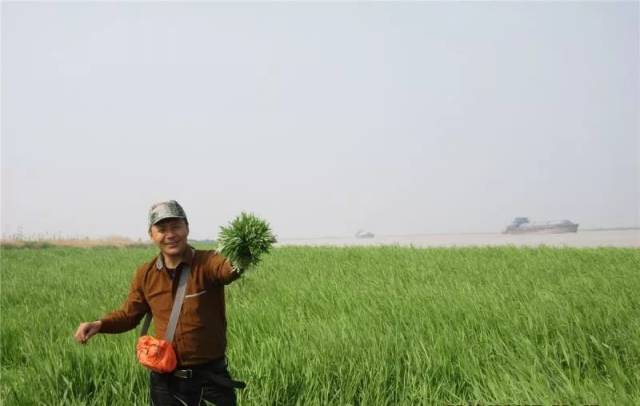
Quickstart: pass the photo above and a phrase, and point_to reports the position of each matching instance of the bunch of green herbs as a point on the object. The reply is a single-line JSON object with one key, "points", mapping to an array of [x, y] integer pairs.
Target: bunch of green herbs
{"points": [[245, 240]]}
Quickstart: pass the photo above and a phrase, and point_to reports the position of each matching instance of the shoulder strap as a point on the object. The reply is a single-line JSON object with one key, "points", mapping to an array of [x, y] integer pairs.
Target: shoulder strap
{"points": [[145, 324], [175, 311]]}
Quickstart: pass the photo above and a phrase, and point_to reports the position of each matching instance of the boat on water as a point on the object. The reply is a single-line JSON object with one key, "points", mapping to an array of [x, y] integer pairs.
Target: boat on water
{"points": [[522, 225], [364, 234]]}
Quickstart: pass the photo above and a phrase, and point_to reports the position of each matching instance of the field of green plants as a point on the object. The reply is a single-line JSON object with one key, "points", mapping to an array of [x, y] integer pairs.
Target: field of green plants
{"points": [[348, 326]]}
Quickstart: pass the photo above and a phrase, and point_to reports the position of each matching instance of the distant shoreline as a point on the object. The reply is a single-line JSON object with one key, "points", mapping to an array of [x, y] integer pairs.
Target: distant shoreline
{"points": [[598, 237], [448, 233], [627, 237], [610, 229]]}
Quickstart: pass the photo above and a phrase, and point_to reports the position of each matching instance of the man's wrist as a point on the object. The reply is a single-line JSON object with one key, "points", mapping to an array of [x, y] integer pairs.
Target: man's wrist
{"points": [[106, 326], [237, 269]]}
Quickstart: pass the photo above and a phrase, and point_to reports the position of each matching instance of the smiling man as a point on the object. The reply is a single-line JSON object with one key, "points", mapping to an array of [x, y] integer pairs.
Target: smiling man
{"points": [[200, 334]]}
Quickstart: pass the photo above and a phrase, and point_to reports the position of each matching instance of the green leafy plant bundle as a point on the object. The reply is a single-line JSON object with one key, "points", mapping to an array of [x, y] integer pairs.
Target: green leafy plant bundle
{"points": [[245, 239]]}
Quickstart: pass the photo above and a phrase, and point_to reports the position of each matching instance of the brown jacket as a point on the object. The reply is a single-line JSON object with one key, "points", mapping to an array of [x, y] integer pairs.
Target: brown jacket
{"points": [[201, 331]]}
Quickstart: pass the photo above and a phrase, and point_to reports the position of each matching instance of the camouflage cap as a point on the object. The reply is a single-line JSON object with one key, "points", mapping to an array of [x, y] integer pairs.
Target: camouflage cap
{"points": [[165, 210]]}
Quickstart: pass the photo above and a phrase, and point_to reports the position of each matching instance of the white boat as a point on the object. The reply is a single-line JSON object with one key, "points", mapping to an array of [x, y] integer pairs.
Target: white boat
{"points": [[364, 234]]}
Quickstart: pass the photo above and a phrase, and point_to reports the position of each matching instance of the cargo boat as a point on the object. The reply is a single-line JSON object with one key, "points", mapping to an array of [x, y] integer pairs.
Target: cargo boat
{"points": [[522, 225]]}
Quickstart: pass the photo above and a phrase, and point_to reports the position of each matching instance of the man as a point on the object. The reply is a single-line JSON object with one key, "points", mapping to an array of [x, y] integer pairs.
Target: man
{"points": [[200, 336]]}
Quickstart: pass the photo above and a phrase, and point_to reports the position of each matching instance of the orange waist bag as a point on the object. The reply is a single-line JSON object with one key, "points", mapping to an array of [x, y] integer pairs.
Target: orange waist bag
{"points": [[156, 354]]}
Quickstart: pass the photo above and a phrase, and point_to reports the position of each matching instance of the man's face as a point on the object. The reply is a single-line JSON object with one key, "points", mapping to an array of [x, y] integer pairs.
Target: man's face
{"points": [[170, 236]]}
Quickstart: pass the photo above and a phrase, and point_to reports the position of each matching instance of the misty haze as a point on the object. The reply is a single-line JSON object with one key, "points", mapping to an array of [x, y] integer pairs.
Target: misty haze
{"points": [[325, 119]]}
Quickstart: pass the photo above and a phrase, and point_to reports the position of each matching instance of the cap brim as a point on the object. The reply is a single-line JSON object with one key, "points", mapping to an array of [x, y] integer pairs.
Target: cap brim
{"points": [[165, 218]]}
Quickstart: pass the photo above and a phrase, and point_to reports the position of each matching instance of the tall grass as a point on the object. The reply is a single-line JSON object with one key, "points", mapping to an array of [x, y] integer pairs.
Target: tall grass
{"points": [[347, 326]]}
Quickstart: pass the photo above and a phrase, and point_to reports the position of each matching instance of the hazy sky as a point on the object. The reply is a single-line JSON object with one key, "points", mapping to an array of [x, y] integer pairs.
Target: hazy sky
{"points": [[321, 118]]}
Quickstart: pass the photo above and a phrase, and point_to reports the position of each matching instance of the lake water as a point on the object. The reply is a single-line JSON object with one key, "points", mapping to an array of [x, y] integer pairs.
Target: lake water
{"points": [[604, 238]]}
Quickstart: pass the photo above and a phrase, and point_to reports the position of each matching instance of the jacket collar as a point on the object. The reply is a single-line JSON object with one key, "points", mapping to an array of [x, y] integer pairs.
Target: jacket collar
{"points": [[186, 260]]}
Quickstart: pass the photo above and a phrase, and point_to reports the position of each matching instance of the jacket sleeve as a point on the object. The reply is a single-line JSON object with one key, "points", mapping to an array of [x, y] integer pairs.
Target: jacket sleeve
{"points": [[219, 269], [131, 312]]}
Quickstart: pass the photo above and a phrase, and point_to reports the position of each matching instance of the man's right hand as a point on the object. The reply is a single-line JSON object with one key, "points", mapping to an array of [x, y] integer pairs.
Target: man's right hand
{"points": [[87, 330]]}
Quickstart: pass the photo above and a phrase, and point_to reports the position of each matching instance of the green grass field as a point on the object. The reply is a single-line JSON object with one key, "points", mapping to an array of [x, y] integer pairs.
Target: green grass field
{"points": [[349, 326]]}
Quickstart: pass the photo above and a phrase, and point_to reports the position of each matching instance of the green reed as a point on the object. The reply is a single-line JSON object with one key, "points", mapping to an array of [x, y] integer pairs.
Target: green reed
{"points": [[348, 326]]}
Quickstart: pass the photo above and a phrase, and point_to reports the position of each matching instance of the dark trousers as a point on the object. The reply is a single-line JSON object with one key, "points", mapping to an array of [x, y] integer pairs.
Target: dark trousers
{"points": [[197, 390]]}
